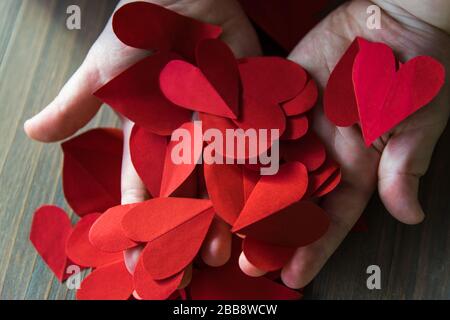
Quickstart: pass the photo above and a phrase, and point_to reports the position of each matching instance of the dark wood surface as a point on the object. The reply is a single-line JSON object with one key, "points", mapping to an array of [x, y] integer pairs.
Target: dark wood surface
{"points": [[38, 54]]}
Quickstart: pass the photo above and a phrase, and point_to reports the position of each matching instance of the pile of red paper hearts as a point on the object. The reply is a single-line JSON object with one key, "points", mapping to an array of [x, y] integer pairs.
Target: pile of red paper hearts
{"points": [[191, 74]]}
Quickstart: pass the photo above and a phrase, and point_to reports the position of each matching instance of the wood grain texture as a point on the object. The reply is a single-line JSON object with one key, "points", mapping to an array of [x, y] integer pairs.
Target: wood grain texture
{"points": [[38, 54]]}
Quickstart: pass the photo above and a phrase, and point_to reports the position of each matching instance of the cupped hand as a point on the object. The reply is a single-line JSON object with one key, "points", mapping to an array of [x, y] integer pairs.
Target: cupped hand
{"points": [[75, 105], [397, 160]]}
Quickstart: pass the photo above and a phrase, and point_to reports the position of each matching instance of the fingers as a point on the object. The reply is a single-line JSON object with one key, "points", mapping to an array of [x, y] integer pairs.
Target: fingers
{"points": [[404, 161], [216, 250], [72, 108], [344, 205]]}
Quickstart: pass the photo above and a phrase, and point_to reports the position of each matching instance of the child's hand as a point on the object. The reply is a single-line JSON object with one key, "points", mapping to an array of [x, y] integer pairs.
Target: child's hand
{"points": [[397, 160], [75, 105]]}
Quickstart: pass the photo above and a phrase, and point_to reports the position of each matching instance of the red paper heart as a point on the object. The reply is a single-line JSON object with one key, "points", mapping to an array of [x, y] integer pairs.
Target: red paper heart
{"points": [[186, 86], [304, 102], [148, 151], [289, 185], [339, 98], [147, 26], [50, 230], [136, 95], [80, 250], [324, 179], [271, 79], [91, 170], [107, 234], [385, 96], [265, 256], [295, 226], [110, 282], [250, 179], [297, 127], [149, 220], [149, 289], [220, 67], [225, 187], [308, 150], [230, 283], [173, 251]]}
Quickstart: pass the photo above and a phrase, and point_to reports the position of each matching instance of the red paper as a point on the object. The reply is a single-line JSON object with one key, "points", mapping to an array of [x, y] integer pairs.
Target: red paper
{"points": [[324, 179], [150, 220], [304, 102], [110, 282], [296, 128], [271, 79], [308, 150], [225, 187], [50, 230], [80, 250], [230, 283], [175, 174], [91, 171], [107, 234], [366, 86], [136, 94], [147, 26], [219, 65], [295, 226], [148, 151], [173, 251], [265, 256], [149, 289], [289, 185], [185, 85]]}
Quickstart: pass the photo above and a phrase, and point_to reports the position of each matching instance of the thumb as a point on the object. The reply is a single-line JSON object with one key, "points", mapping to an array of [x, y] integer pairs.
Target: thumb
{"points": [[404, 161]]}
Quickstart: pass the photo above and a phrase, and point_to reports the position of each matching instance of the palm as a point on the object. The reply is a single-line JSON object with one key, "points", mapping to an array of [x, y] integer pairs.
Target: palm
{"points": [[398, 158]]}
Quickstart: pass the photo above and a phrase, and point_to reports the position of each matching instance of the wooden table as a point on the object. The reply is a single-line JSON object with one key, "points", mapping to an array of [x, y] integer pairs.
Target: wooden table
{"points": [[38, 54]]}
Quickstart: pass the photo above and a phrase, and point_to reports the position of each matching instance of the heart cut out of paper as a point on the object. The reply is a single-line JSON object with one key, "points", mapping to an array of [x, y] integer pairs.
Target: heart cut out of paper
{"points": [[107, 234], [173, 251], [295, 226], [369, 86], [308, 150], [50, 230], [80, 250], [265, 256], [110, 282], [91, 170], [289, 185]]}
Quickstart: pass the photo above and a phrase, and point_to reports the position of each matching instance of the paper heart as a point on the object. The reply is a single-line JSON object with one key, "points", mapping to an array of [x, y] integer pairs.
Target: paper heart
{"points": [[148, 151], [50, 230], [110, 282], [174, 250], [289, 184], [324, 179], [295, 226], [366, 86], [136, 95], [218, 64], [386, 96], [185, 85], [147, 26], [296, 128], [149, 220], [265, 256], [230, 283], [107, 234], [91, 170], [174, 174], [304, 102], [149, 289], [225, 187], [80, 250], [308, 150]]}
